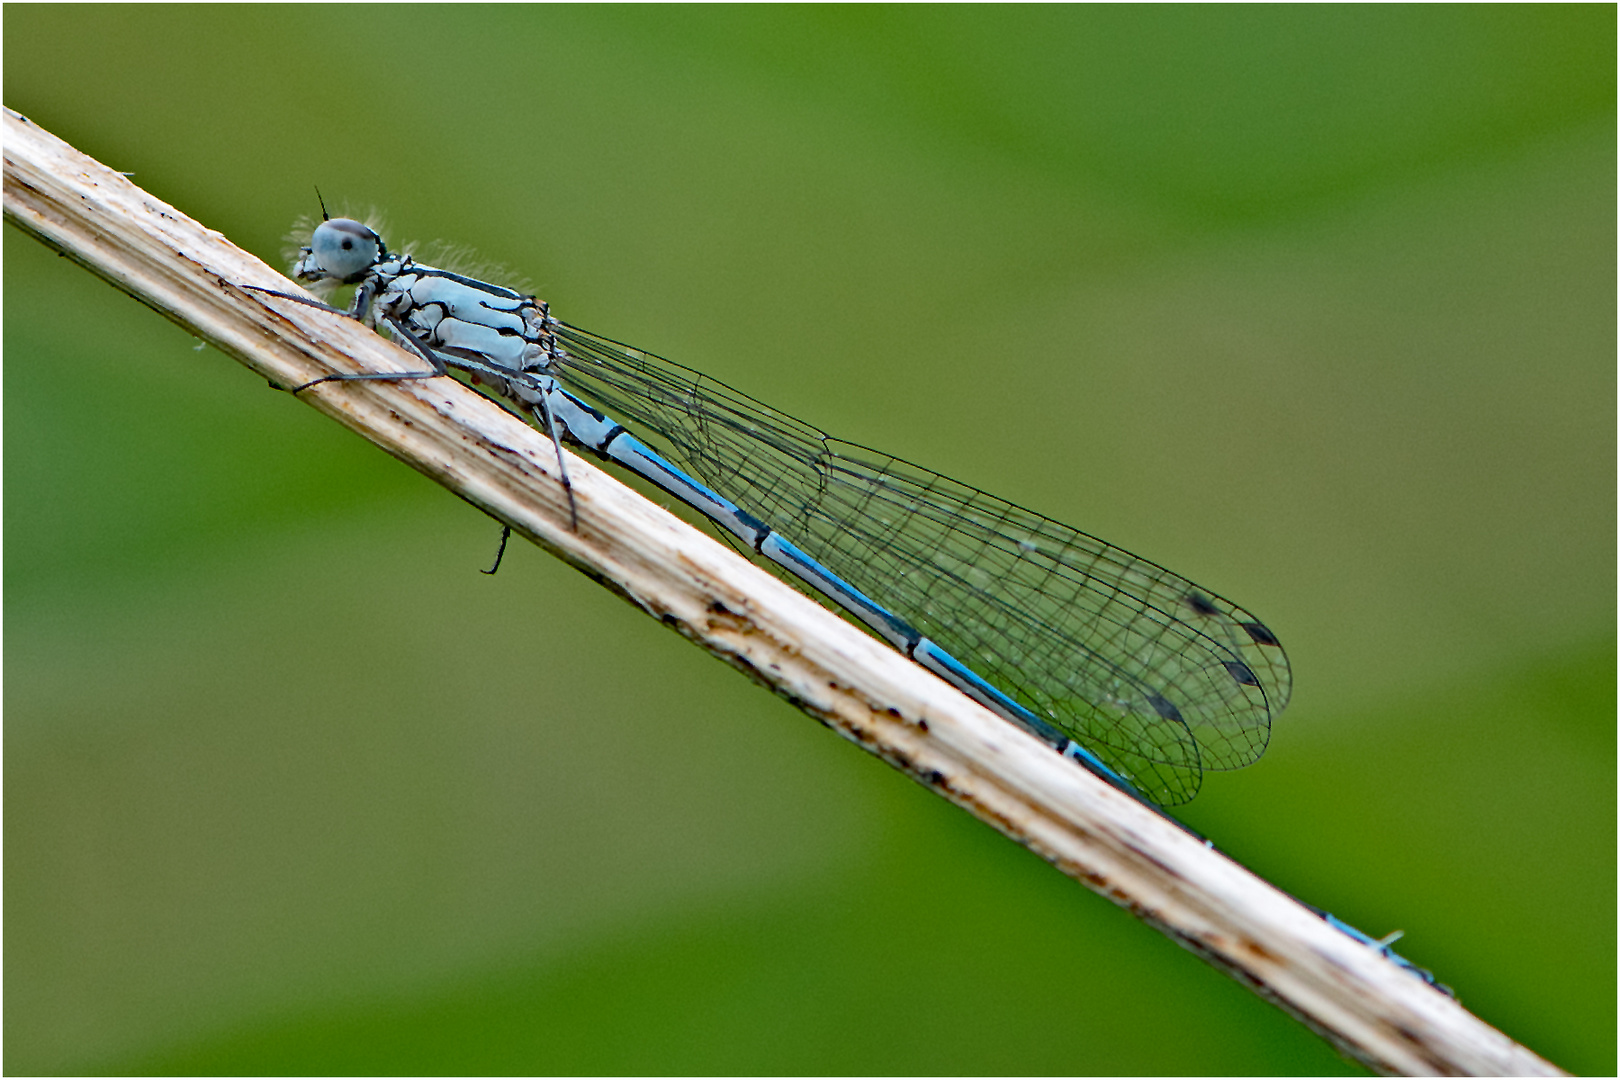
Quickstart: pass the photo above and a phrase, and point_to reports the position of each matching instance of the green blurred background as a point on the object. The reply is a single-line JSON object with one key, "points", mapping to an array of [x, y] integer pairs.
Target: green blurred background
{"points": [[1316, 306]]}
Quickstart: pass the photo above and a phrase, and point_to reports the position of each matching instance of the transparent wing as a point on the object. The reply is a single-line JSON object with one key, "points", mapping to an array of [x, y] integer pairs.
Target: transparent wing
{"points": [[1158, 677]]}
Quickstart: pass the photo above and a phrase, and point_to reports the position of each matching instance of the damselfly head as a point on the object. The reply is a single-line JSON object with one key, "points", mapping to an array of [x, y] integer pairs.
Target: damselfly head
{"points": [[341, 249]]}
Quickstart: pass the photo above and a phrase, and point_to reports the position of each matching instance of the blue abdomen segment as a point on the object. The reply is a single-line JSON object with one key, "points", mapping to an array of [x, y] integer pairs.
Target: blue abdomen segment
{"points": [[636, 456], [889, 626], [609, 439], [931, 657], [965, 679]]}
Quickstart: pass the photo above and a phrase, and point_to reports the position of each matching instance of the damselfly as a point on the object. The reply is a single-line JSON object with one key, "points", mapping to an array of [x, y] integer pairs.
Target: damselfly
{"points": [[1119, 664]]}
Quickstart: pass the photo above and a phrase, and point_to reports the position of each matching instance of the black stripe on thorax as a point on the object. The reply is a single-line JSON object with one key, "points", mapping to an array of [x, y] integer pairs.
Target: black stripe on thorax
{"points": [[473, 283]]}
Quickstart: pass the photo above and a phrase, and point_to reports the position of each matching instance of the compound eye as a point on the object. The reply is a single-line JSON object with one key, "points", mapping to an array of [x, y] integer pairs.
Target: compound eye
{"points": [[341, 248]]}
